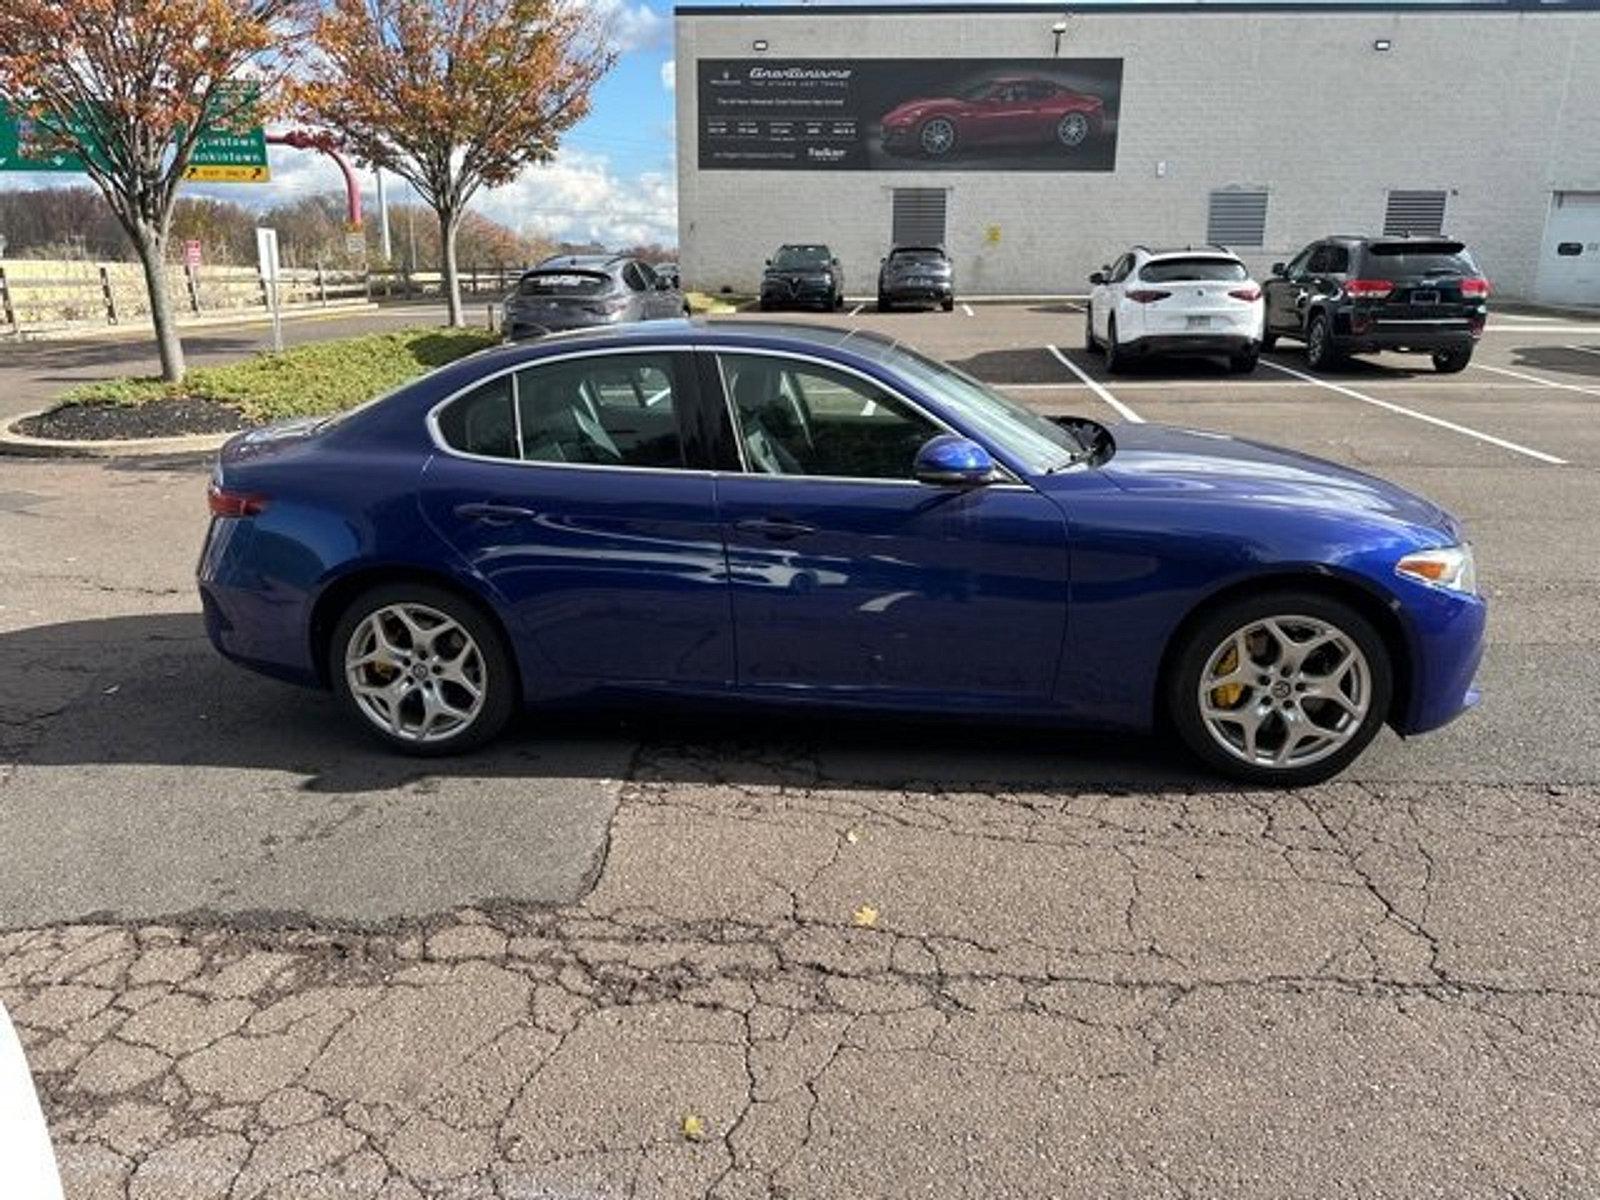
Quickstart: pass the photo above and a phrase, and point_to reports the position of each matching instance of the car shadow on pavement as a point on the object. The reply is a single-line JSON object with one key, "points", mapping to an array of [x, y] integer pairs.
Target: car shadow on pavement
{"points": [[149, 690], [1560, 360]]}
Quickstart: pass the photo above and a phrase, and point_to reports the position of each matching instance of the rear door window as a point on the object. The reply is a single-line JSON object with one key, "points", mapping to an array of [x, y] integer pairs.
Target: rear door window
{"points": [[609, 410]]}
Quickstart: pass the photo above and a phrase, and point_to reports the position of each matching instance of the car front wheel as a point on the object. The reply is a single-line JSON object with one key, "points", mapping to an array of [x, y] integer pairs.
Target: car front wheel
{"points": [[422, 669], [1073, 130], [1090, 342], [1116, 358], [1285, 688], [1320, 351], [937, 137]]}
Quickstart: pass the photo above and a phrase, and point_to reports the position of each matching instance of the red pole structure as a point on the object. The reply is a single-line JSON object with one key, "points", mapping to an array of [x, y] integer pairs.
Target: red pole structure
{"points": [[327, 144]]}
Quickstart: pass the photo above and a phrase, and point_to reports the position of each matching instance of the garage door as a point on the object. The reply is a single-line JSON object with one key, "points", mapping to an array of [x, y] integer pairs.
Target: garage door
{"points": [[1569, 261]]}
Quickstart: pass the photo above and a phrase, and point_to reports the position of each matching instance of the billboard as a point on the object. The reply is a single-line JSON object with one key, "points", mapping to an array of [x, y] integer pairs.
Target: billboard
{"points": [[909, 114]]}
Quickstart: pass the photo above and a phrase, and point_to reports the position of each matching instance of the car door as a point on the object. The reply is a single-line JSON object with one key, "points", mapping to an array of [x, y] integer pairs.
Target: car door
{"points": [[1116, 286], [576, 488], [1286, 293], [850, 578]]}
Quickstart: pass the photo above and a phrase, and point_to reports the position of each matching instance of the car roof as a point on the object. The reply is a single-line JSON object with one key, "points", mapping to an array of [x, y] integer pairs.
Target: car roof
{"points": [[804, 246], [923, 246], [772, 335], [1188, 251]]}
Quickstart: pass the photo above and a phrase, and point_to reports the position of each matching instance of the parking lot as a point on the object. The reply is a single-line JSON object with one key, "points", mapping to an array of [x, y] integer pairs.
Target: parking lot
{"points": [[662, 954]]}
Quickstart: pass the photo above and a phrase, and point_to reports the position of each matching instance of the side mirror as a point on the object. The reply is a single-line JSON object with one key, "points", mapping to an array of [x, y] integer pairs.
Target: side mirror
{"points": [[1097, 278], [769, 262], [1280, 270], [950, 460]]}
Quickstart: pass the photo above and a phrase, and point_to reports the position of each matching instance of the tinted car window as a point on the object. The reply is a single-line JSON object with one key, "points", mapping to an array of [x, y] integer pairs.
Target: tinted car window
{"points": [[1301, 263], [917, 255], [1181, 270], [1338, 260], [607, 410], [790, 258], [1319, 260], [803, 419], [481, 422], [1120, 271], [1441, 258], [633, 278], [565, 283]]}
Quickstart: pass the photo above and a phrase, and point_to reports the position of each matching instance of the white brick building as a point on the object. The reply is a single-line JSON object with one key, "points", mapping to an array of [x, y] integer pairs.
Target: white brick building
{"points": [[1311, 115]]}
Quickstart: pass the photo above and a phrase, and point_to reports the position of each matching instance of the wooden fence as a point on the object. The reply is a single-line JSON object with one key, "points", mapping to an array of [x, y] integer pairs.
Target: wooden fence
{"points": [[40, 294]]}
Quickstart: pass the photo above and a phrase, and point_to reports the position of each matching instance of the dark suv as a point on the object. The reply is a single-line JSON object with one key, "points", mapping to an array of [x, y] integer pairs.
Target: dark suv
{"points": [[800, 274], [1359, 295], [915, 275]]}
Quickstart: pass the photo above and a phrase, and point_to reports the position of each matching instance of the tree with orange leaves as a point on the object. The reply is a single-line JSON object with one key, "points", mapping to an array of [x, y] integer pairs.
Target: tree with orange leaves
{"points": [[128, 86], [454, 95]]}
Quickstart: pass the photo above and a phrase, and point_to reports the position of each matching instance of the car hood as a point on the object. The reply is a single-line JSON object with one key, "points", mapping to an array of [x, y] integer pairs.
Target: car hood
{"points": [[1214, 467], [912, 109]]}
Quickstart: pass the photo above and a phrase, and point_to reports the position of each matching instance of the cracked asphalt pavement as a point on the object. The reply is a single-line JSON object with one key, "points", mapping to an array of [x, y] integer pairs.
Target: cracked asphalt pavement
{"points": [[667, 955]]}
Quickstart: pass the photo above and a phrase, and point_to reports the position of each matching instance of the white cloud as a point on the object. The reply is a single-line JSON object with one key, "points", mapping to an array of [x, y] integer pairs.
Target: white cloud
{"points": [[669, 75], [579, 198], [631, 27]]}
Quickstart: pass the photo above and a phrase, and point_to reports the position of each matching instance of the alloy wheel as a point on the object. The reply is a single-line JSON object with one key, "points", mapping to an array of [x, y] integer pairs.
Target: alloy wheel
{"points": [[415, 672], [1072, 129], [1285, 692], [938, 137]]}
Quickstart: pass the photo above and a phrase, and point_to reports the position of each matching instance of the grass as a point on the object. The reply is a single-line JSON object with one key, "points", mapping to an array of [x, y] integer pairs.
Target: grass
{"points": [[308, 380], [702, 303]]}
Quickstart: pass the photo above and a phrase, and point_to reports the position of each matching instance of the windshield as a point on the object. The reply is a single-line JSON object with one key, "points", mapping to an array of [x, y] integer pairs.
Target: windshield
{"points": [[1432, 258], [791, 258], [565, 283], [1187, 270], [1034, 441]]}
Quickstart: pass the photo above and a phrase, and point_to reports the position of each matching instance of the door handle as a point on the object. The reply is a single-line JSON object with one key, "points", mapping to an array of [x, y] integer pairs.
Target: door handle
{"points": [[494, 514], [779, 529]]}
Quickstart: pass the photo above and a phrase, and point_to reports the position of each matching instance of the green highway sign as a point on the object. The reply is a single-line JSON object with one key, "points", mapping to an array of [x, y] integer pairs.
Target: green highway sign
{"points": [[221, 155]]}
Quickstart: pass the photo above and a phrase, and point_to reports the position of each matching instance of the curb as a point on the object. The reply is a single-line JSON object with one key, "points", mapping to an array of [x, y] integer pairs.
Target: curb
{"points": [[20, 445]]}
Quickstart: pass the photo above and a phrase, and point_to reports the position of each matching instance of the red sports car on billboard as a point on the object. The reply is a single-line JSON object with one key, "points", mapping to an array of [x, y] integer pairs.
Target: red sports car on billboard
{"points": [[1011, 111]]}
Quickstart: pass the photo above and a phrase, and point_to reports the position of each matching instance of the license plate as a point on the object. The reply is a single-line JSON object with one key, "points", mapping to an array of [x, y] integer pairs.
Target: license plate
{"points": [[1199, 322], [1424, 297]]}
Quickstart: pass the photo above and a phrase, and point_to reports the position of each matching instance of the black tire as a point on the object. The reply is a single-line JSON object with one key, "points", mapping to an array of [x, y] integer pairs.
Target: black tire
{"points": [[765, 305], [498, 676], [838, 301], [1090, 342], [1245, 362], [1321, 353], [883, 303], [1116, 357], [1449, 362], [1268, 339], [948, 304], [1182, 683]]}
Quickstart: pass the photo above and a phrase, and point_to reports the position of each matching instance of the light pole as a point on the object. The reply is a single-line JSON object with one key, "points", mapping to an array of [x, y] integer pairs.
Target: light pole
{"points": [[383, 220], [1060, 30]]}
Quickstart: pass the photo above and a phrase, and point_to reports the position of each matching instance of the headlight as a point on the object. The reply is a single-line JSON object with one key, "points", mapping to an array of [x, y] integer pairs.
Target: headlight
{"points": [[1449, 567]]}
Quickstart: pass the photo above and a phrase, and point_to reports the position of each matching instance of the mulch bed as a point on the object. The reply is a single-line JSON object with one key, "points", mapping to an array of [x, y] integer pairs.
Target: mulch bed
{"points": [[156, 418]]}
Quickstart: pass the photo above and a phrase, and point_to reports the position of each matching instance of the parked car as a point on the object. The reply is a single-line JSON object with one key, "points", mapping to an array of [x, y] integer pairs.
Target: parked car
{"points": [[916, 275], [802, 274], [1359, 295], [1197, 300], [576, 290], [1009, 111], [824, 517]]}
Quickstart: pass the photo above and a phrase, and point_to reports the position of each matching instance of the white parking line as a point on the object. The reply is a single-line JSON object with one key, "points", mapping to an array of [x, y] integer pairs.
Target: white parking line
{"points": [[856, 309], [1549, 383], [1419, 416], [967, 308], [1525, 329], [1122, 409]]}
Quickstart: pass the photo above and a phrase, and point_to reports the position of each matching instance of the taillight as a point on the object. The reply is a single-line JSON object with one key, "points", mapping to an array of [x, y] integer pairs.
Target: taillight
{"points": [[1146, 295], [225, 503], [1252, 294], [1368, 289], [1475, 288]]}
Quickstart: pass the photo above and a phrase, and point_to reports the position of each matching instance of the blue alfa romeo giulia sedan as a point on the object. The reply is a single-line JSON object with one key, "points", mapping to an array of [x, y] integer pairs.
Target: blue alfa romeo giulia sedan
{"points": [[826, 517]]}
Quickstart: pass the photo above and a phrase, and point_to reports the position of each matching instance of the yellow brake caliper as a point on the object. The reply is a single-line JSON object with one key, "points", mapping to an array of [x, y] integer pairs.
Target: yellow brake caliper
{"points": [[1228, 694]]}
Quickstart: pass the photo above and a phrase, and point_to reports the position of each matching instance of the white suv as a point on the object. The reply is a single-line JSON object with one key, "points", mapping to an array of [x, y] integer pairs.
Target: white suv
{"points": [[1198, 300]]}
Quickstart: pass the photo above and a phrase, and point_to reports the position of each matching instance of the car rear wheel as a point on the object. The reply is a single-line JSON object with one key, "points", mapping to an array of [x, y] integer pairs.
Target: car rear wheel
{"points": [[937, 137], [948, 304], [1285, 688], [838, 301], [883, 303], [1244, 363], [1073, 130], [1116, 358], [1320, 351], [1448, 362], [422, 669]]}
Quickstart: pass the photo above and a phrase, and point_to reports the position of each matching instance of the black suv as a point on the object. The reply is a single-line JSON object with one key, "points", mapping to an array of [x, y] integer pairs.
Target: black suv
{"points": [[802, 274], [1359, 295]]}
